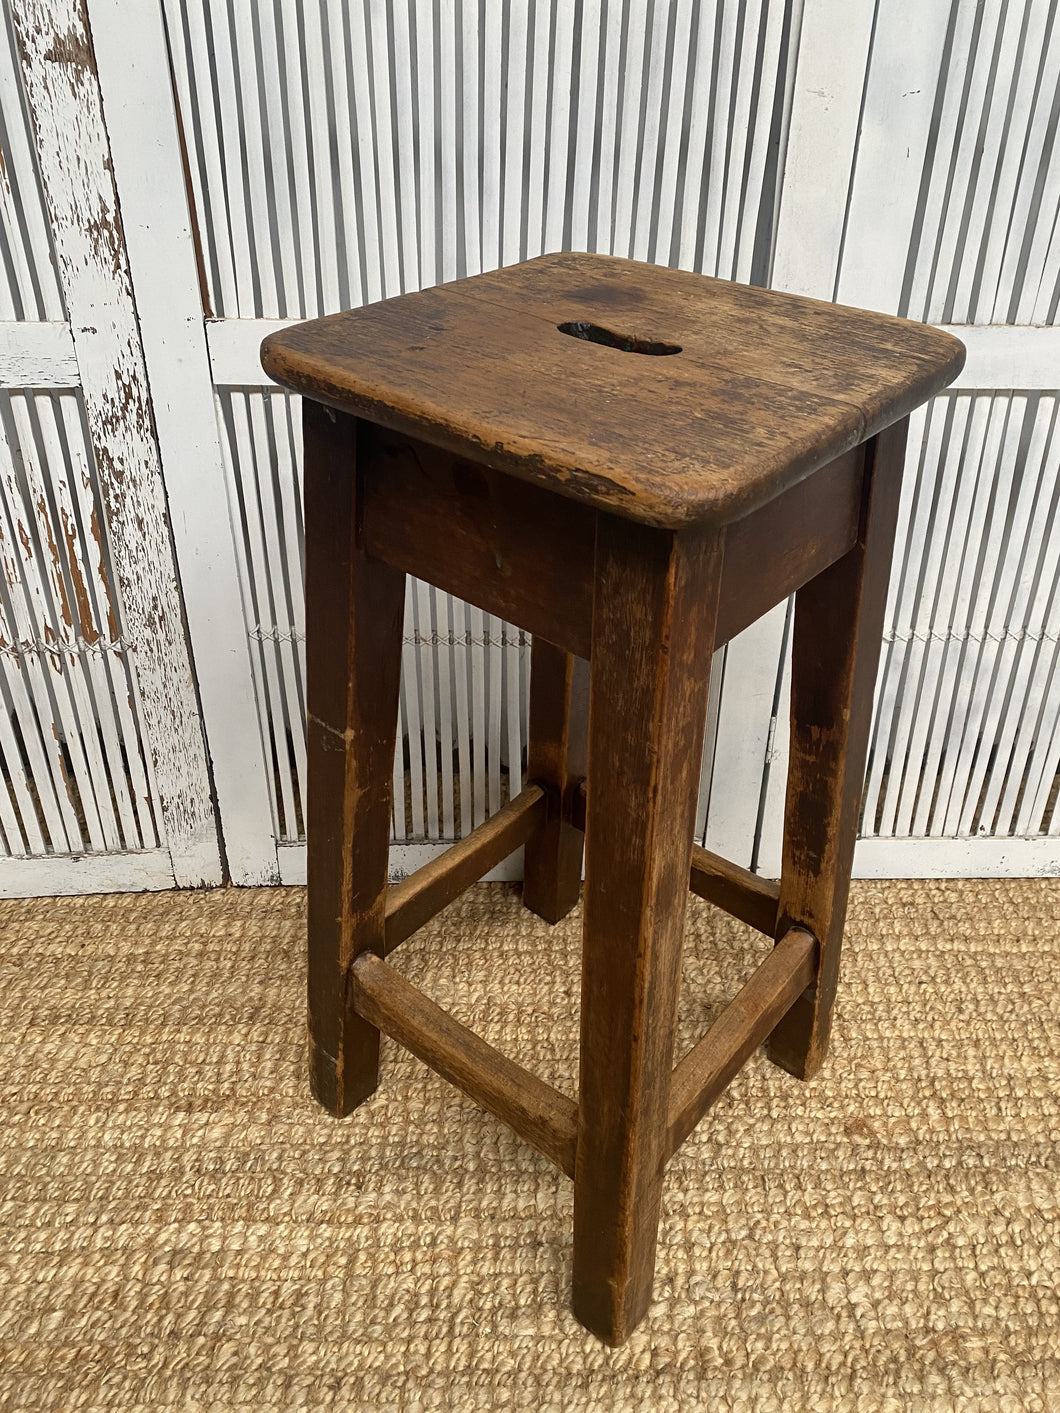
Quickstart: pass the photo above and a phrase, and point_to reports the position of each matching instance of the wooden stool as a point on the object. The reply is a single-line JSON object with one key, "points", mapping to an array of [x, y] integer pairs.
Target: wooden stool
{"points": [[634, 464]]}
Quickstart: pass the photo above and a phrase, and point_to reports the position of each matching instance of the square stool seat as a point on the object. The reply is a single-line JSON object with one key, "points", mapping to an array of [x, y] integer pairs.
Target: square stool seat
{"points": [[633, 464], [759, 389]]}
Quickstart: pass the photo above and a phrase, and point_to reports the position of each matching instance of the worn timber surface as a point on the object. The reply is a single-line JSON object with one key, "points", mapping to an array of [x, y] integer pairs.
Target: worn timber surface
{"points": [[765, 389]]}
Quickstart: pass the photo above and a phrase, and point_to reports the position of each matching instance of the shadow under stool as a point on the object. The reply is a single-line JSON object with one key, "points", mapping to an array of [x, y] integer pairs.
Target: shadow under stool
{"points": [[633, 464]]}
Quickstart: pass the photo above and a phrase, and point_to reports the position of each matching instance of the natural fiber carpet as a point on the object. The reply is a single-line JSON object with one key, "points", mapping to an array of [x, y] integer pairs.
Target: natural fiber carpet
{"points": [[181, 1227]]}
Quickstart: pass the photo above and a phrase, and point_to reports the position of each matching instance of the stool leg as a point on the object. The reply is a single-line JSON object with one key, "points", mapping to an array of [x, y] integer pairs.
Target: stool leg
{"points": [[838, 627], [559, 718], [354, 609], [654, 616]]}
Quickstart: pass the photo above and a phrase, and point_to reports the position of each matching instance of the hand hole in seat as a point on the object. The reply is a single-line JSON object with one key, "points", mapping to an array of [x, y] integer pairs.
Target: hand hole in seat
{"points": [[625, 343]]}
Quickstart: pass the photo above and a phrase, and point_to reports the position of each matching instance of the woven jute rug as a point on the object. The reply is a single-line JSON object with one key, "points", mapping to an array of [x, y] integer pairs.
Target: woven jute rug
{"points": [[183, 1228]]}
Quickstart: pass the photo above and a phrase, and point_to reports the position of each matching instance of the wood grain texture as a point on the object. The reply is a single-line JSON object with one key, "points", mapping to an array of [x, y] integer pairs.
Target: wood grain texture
{"points": [[507, 547], [770, 552], [416, 899], [556, 759], [539, 1114], [737, 1033], [835, 653], [514, 550], [767, 387], [740, 892], [354, 607], [653, 630]]}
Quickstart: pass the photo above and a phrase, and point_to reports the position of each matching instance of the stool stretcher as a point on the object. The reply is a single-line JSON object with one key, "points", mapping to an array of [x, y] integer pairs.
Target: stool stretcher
{"points": [[539, 1114], [416, 899], [737, 890], [745, 1023]]}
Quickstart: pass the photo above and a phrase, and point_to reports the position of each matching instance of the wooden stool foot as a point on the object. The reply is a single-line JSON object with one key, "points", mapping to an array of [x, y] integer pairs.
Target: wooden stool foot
{"points": [[609, 1315], [341, 1089], [554, 900]]}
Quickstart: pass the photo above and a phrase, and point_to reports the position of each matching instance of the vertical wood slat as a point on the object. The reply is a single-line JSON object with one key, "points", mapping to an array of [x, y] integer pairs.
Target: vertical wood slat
{"points": [[31, 289], [27, 686], [514, 195], [411, 698], [629, 129], [450, 252], [741, 130], [580, 194], [726, 76], [50, 616], [978, 284], [478, 621], [266, 623], [358, 118], [1038, 647], [293, 232], [670, 167], [607, 135], [698, 136], [537, 138], [335, 150], [405, 146], [219, 67], [833, 54], [494, 665], [288, 733], [423, 632], [327, 193], [443, 656], [984, 229], [64, 664], [463, 713], [430, 268], [649, 148], [491, 134], [89, 603], [1005, 542], [748, 689], [188, 65], [908, 49], [116, 682], [469, 131], [64, 97], [904, 606], [1028, 234]]}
